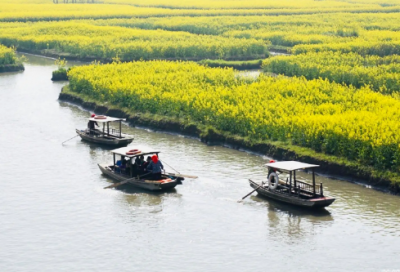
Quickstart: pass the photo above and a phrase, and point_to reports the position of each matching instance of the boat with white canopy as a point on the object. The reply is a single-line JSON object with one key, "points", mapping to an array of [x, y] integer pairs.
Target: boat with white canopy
{"points": [[290, 189], [106, 135], [127, 168]]}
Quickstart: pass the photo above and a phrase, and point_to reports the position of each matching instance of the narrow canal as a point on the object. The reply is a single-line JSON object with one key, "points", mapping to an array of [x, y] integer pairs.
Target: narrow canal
{"points": [[56, 216]]}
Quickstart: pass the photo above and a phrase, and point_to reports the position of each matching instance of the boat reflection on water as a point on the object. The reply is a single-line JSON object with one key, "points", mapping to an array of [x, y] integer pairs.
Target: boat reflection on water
{"points": [[149, 201], [288, 223]]}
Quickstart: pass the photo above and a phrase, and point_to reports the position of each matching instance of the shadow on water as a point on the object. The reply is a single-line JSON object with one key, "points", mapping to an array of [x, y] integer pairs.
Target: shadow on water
{"points": [[291, 224], [128, 189], [94, 146], [151, 201]]}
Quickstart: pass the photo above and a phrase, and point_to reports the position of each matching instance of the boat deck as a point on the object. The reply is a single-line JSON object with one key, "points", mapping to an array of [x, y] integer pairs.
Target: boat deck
{"points": [[299, 198], [153, 185]]}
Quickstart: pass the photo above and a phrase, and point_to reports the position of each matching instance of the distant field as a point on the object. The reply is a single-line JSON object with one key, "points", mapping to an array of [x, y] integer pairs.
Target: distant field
{"points": [[31, 10], [107, 42]]}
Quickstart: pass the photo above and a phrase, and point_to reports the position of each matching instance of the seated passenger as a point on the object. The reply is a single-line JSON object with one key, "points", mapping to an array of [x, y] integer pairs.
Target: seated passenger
{"points": [[123, 164], [145, 164], [118, 165], [141, 158], [138, 163]]}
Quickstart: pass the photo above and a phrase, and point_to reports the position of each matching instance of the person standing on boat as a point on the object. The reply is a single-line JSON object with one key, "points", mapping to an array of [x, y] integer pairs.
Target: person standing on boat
{"points": [[155, 168], [92, 124]]}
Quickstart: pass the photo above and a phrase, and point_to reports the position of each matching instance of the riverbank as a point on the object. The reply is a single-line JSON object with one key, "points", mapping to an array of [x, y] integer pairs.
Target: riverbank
{"points": [[11, 68], [51, 53], [331, 165], [238, 65]]}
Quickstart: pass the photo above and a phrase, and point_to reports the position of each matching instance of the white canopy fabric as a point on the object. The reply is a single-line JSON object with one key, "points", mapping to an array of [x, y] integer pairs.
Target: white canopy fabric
{"points": [[108, 119], [290, 165], [122, 151]]}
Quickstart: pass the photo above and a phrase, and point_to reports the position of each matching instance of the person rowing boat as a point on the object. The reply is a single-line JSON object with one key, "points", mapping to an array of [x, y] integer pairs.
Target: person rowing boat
{"points": [[92, 124], [155, 167]]}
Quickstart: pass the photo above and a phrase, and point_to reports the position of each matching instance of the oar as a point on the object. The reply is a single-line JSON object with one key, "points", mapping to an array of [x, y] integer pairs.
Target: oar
{"points": [[181, 175], [69, 139], [123, 182], [251, 191], [170, 166]]}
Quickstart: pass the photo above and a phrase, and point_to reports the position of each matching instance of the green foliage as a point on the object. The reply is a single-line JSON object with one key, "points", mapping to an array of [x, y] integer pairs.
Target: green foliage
{"points": [[7, 56], [60, 74], [61, 63]]}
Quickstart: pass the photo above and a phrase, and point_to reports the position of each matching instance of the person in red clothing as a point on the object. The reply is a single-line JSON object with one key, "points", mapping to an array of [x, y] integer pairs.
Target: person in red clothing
{"points": [[155, 168]]}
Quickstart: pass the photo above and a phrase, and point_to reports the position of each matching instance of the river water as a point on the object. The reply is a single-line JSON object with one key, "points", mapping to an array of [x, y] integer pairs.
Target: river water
{"points": [[56, 216]]}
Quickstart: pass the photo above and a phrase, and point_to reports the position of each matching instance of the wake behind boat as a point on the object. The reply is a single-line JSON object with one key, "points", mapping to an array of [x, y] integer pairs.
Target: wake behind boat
{"points": [[292, 190], [107, 135], [129, 168]]}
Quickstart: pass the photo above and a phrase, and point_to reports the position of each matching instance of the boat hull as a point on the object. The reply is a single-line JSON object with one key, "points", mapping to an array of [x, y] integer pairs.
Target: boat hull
{"points": [[104, 141], [139, 183], [315, 203]]}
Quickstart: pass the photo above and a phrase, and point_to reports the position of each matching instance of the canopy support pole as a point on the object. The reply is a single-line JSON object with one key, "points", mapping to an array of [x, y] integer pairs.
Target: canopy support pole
{"points": [[313, 181], [120, 128], [294, 180], [130, 166], [290, 184]]}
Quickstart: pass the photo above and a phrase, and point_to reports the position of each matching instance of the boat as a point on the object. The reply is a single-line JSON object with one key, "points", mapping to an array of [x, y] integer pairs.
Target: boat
{"points": [[107, 135], [127, 173], [290, 189]]}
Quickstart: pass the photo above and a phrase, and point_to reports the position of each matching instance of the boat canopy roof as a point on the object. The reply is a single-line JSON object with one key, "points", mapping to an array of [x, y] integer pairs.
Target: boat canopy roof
{"points": [[123, 150], [107, 119], [290, 165]]}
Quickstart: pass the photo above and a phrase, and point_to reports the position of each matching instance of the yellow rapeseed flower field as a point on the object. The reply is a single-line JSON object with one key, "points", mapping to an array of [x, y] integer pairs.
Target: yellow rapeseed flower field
{"points": [[39, 10], [358, 124], [106, 42], [380, 73]]}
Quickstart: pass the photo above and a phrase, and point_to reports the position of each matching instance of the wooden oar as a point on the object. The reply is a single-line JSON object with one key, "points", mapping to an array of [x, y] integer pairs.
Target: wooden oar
{"points": [[118, 184], [69, 139], [124, 181], [251, 191], [181, 175]]}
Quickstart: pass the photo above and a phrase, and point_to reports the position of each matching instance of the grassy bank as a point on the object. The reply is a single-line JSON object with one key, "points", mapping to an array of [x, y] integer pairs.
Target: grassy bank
{"points": [[278, 149], [11, 68], [60, 74], [238, 65], [9, 61]]}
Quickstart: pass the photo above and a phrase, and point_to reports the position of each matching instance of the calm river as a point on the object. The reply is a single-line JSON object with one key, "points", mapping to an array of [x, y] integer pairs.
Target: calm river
{"points": [[56, 216]]}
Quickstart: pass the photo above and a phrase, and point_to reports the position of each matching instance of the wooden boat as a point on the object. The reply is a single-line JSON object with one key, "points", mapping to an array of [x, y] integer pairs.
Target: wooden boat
{"points": [[131, 176], [106, 136], [292, 190]]}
